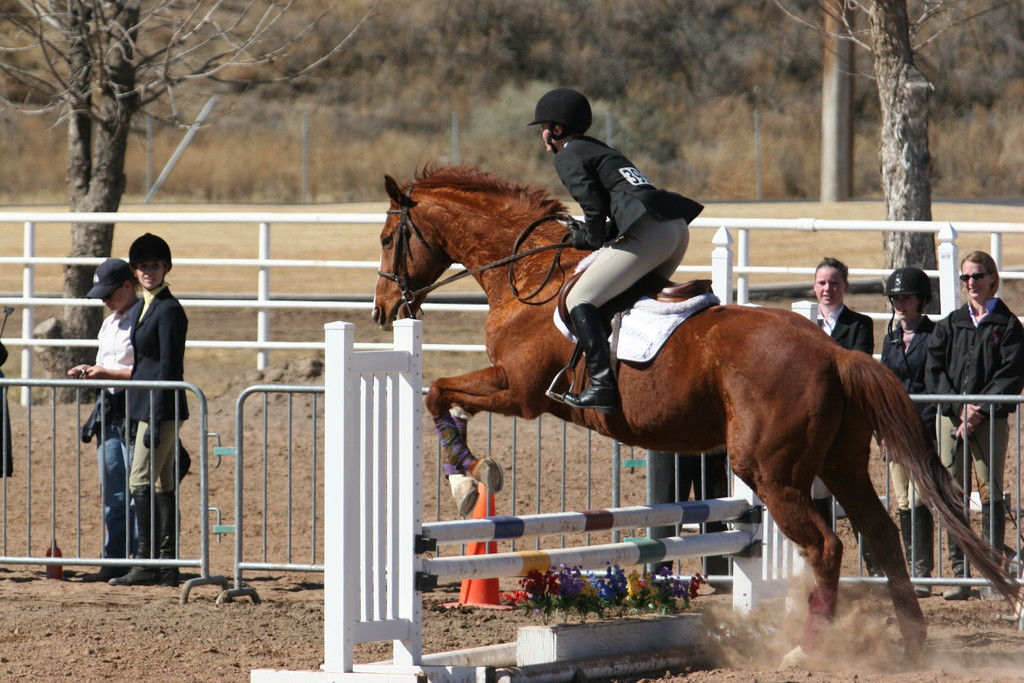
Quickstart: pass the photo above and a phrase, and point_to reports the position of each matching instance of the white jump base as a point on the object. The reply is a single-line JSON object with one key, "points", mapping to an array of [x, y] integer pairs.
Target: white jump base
{"points": [[374, 541]]}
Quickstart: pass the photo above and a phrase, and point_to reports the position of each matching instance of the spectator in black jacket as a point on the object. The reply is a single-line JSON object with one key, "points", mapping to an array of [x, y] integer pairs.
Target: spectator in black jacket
{"points": [[851, 330], [158, 337], [977, 349]]}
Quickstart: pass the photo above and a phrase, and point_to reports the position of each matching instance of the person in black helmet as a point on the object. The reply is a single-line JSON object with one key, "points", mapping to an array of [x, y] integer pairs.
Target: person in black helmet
{"points": [[905, 352], [158, 336], [645, 229]]}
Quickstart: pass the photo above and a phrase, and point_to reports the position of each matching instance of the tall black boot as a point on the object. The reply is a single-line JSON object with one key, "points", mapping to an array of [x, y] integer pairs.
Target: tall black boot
{"points": [[993, 526], [601, 394], [870, 563], [956, 556], [917, 529], [167, 516], [993, 532], [141, 576]]}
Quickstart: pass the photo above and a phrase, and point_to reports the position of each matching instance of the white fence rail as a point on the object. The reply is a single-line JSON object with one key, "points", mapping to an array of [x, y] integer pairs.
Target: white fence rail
{"points": [[728, 265]]}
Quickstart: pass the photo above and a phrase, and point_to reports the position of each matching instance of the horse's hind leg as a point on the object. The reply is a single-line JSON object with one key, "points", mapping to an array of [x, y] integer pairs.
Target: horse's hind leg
{"points": [[793, 512], [855, 492]]}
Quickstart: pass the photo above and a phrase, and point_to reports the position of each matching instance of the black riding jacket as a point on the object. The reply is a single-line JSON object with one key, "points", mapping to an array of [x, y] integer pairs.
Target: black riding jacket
{"points": [[987, 359], [607, 186], [909, 364]]}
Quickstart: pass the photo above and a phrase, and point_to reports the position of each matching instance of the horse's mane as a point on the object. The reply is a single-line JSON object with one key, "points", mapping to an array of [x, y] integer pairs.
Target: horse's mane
{"points": [[472, 180]]}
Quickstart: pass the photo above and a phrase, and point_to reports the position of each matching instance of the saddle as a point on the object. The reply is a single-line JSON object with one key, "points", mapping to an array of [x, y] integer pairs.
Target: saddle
{"points": [[651, 285]]}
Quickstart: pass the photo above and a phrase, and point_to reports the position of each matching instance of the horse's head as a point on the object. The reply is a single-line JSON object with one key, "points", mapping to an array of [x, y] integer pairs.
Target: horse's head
{"points": [[410, 258]]}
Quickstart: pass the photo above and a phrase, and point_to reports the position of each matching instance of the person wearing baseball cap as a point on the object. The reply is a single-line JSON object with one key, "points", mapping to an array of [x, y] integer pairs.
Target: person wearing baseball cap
{"points": [[115, 284], [109, 276]]}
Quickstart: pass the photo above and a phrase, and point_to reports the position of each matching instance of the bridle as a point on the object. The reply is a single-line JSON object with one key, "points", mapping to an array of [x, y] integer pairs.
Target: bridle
{"points": [[406, 228], [399, 265]]}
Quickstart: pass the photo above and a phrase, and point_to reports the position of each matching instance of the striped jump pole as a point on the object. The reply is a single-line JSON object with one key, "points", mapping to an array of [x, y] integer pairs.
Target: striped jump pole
{"points": [[504, 527], [639, 551]]}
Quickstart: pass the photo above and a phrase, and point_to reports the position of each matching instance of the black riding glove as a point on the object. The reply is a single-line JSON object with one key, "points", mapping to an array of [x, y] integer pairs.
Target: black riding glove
{"points": [[580, 237]]}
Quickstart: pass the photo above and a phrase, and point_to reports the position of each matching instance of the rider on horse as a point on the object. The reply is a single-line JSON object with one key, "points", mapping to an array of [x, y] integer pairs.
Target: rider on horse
{"points": [[644, 230]]}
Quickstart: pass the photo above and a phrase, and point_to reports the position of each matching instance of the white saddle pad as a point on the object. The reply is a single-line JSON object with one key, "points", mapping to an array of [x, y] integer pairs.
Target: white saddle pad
{"points": [[647, 325]]}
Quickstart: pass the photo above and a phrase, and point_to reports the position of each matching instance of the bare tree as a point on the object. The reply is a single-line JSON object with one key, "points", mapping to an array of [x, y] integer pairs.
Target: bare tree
{"points": [[904, 159], [903, 93], [97, 64]]}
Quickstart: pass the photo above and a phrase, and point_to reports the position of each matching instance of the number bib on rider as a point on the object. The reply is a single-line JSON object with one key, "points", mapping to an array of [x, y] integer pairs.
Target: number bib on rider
{"points": [[634, 177]]}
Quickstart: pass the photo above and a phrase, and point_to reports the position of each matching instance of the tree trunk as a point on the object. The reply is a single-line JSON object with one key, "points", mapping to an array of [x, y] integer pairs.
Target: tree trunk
{"points": [[905, 160], [97, 144]]}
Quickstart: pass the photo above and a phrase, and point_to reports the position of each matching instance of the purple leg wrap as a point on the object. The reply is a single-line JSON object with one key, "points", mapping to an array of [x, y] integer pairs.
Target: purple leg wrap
{"points": [[821, 609], [455, 454]]}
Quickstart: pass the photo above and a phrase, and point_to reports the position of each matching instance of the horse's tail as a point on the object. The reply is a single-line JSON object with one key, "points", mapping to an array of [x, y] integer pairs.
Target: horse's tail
{"points": [[877, 393]]}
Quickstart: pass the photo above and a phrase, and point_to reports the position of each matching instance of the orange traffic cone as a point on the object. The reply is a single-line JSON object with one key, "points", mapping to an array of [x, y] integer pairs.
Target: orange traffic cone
{"points": [[481, 592]]}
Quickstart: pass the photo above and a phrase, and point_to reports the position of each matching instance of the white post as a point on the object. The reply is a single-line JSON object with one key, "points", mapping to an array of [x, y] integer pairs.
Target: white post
{"points": [[263, 294], [721, 265], [743, 279], [341, 436], [949, 270], [373, 510], [808, 309], [746, 571], [995, 250], [28, 322], [771, 562], [407, 473]]}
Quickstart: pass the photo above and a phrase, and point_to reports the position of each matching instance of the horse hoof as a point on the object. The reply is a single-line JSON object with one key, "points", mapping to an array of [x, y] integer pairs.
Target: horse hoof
{"points": [[488, 473], [466, 493], [795, 659]]}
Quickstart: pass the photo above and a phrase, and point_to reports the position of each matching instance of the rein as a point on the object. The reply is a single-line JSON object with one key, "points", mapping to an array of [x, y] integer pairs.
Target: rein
{"points": [[407, 227]]}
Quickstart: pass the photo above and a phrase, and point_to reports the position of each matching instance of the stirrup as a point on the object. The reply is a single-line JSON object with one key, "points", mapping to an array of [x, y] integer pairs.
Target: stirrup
{"points": [[574, 359], [560, 396]]}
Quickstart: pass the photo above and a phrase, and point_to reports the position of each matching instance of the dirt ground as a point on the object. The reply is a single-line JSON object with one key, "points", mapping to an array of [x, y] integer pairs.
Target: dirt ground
{"points": [[66, 630]]}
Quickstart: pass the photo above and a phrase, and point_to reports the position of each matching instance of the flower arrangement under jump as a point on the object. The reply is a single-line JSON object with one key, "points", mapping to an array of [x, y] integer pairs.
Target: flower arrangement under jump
{"points": [[569, 591]]}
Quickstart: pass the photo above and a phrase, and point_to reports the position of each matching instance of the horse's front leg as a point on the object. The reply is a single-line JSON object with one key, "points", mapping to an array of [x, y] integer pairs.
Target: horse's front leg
{"points": [[451, 401]]}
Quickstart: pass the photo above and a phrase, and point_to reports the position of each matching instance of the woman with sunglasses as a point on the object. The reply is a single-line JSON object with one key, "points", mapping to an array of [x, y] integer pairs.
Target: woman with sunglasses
{"points": [[977, 349]]}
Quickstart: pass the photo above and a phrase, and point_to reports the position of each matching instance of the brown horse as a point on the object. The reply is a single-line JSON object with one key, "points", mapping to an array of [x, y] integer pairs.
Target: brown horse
{"points": [[788, 402]]}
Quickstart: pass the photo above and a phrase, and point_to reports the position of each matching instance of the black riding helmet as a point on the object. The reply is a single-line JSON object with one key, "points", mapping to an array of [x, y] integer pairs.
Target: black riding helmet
{"points": [[566, 107], [910, 280], [149, 247]]}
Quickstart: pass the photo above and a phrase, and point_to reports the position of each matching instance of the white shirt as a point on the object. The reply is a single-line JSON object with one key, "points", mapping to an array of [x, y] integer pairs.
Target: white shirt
{"points": [[115, 351], [827, 321]]}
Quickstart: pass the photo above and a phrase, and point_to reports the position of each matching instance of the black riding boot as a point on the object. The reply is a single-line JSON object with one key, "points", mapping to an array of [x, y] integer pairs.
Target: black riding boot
{"points": [[993, 517], [141, 576], [870, 563], [993, 532], [956, 556], [167, 516], [917, 528], [601, 394]]}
